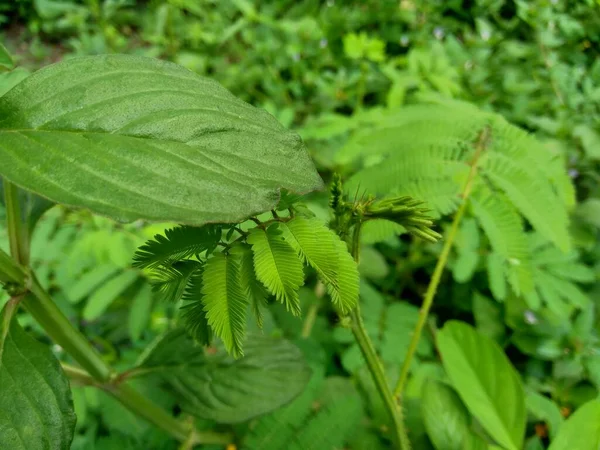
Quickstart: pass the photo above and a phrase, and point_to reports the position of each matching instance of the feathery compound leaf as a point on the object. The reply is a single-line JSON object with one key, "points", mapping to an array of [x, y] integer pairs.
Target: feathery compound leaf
{"points": [[254, 290], [225, 301], [177, 243], [504, 228], [171, 281], [277, 266], [323, 250], [194, 315]]}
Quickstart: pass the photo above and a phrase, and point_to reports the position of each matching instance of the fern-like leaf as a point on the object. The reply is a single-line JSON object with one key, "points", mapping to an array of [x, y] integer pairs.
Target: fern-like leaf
{"points": [[177, 244], [320, 248], [254, 290], [194, 315], [504, 228], [171, 281], [225, 301], [277, 266]]}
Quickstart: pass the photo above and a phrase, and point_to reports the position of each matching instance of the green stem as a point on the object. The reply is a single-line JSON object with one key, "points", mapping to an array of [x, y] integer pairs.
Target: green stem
{"points": [[10, 271], [148, 410], [17, 231], [373, 363], [439, 268]]}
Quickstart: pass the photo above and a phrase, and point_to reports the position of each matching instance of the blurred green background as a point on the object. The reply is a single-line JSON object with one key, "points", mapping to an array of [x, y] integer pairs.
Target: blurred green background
{"points": [[324, 68]]}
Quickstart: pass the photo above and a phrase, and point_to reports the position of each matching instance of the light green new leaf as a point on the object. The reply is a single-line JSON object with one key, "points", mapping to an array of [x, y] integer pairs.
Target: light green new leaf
{"points": [[99, 302], [36, 409], [446, 419], [581, 431], [277, 266], [486, 382], [225, 300], [138, 138], [216, 387], [316, 245]]}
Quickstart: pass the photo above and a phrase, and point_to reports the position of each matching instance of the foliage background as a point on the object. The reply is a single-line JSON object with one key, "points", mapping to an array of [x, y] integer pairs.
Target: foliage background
{"points": [[326, 69]]}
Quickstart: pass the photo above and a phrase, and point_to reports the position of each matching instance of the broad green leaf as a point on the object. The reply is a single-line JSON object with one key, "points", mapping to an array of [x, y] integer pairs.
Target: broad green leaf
{"points": [[99, 302], [36, 409], [225, 300], [219, 388], [323, 250], [542, 408], [446, 419], [488, 317], [581, 431], [138, 138], [277, 266], [486, 382]]}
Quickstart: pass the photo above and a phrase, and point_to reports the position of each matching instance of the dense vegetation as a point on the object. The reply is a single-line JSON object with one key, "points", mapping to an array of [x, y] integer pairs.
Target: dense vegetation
{"points": [[461, 144]]}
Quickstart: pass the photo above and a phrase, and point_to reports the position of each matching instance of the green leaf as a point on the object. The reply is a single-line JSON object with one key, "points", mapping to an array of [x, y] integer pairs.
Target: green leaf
{"points": [[251, 286], [542, 408], [277, 266], [177, 244], [6, 61], [446, 419], [107, 294], [488, 317], [171, 282], [89, 282], [138, 138], [225, 300], [36, 409], [581, 431], [139, 314], [316, 245], [219, 388], [486, 382]]}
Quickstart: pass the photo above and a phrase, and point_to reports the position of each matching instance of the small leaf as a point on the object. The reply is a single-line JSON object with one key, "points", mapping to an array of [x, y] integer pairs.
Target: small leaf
{"points": [[277, 266], [177, 244], [225, 300], [251, 286], [486, 382], [171, 282], [581, 431], [107, 294], [488, 317], [139, 314], [271, 373], [446, 419], [542, 408], [36, 409], [317, 245], [6, 61], [137, 138], [89, 282]]}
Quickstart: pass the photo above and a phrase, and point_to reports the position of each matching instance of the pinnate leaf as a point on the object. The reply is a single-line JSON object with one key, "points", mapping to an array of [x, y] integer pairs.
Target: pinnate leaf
{"points": [[323, 250], [138, 138], [225, 300], [486, 382], [277, 266]]}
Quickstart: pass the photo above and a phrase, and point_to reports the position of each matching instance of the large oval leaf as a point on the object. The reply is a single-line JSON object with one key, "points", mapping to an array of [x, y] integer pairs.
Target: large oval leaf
{"points": [[36, 409], [581, 431], [486, 382], [272, 372], [132, 137]]}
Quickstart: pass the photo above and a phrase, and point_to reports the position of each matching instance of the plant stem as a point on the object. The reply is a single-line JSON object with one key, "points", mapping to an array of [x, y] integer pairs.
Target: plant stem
{"points": [[143, 407], [17, 230], [439, 267], [373, 363]]}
